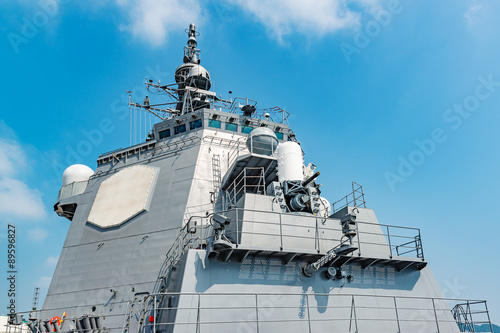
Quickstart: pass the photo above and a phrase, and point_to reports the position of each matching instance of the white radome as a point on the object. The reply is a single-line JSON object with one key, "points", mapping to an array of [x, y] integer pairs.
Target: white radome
{"points": [[262, 140], [76, 173], [290, 161]]}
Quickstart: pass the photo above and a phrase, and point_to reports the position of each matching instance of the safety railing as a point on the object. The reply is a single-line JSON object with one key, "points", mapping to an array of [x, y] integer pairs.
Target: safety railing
{"points": [[257, 312], [237, 148], [310, 233], [414, 245], [286, 231], [291, 232], [130, 150], [15, 328], [198, 232], [304, 312], [249, 180], [356, 199], [195, 234], [472, 316], [38, 321], [275, 113], [239, 102]]}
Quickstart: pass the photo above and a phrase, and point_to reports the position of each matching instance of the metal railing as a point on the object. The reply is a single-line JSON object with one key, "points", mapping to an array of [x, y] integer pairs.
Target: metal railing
{"points": [[275, 113], [470, 315], [413, 245], [237, 147], [255, 312], [389, 239], [278, 233], [38, 321], [198, 233], [137, 146], [249, 180], [195, 234], [356, 199], [237, 103], [252, 312]]}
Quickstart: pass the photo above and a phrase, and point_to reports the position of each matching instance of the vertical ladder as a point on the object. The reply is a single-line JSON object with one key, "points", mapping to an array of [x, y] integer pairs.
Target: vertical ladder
{"points": [[216, 171]]}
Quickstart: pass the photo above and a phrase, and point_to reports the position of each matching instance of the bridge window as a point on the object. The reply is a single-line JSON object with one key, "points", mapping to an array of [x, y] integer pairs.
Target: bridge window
{"points": [[195, 124], [180, 129], [279, 135], [246, 129], [231, 127], [214, 123], [164, 134]]}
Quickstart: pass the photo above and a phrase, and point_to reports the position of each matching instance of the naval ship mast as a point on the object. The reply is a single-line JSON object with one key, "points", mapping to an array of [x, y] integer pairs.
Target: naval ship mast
{"points": [[192, 86], [214, 224]]}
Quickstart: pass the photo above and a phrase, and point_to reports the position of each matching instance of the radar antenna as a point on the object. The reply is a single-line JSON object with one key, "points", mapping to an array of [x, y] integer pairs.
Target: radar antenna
{"points": [[191, 53], [154, 109]]}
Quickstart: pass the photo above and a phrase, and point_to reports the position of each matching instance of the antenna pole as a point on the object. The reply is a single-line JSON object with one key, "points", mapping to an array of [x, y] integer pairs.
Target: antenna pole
{"points": [[35, 298]]}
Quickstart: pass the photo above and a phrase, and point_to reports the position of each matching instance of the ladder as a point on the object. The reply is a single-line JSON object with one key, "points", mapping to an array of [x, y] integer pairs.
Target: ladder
{"points": [[216, 172]]}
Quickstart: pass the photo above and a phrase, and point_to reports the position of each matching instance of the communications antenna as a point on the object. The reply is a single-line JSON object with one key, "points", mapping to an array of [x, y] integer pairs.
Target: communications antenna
{"points": [[35, 297]]}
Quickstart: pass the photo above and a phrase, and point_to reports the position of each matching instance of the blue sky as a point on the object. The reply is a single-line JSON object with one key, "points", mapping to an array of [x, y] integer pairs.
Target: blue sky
{"points": [[401, 96]]}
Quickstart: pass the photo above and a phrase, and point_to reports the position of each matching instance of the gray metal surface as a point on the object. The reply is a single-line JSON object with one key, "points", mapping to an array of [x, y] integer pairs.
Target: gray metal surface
{"points": [[94, 261]]}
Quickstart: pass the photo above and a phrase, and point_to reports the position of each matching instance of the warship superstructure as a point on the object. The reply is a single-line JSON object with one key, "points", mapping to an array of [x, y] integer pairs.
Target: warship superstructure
{"points": [[214, 224]]}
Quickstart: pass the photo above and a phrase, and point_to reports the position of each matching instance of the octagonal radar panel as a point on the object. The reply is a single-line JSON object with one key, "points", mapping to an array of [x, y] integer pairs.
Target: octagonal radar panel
{"points": [[123, 196]]}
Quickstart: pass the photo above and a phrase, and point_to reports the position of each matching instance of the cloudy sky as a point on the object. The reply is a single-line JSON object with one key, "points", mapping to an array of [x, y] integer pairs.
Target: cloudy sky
{"points": [[401, 96]]}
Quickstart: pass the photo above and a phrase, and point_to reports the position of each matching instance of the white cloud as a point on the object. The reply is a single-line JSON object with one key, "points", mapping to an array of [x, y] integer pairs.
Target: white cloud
{"points": [[153, 19], [51, 261], [283, 17], [471, 15], [17, 199], [12, 158], [37, 234]]}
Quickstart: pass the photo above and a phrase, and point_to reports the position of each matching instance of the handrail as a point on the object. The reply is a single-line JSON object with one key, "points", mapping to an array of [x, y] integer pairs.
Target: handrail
{"points": [[467, 318], [396, 241], [393, 310], [234, 152], [265, 304], [240, 185], [358, 199], [187, 235]]}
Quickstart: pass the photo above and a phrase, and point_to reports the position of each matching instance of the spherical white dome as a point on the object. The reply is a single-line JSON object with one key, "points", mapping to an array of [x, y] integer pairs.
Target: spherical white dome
{"points": [[262, 140], [262, 131], [76, 173]]}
